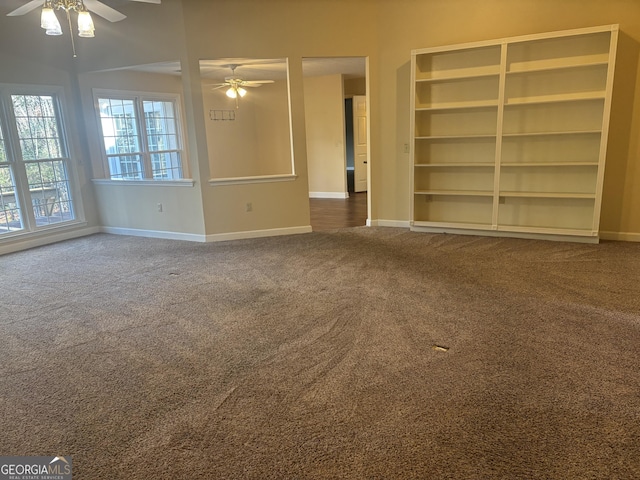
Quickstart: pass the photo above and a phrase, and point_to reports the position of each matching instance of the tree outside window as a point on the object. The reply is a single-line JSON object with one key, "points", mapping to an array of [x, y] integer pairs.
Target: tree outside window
{"points": [[39, 173]]}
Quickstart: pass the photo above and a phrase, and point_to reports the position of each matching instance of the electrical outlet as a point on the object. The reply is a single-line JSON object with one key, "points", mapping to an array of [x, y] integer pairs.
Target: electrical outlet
{"points": [[159, 208], [406, 148], [249, 207]]}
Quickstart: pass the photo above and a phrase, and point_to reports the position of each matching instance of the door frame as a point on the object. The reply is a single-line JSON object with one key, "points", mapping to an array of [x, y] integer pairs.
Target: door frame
{"points": [[367, 95]]}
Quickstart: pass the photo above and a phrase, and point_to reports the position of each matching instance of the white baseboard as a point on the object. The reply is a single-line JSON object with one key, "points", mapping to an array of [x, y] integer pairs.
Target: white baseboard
{"points": [[137, 232], [214, 237], [506, 234], [619, 236], [272, 232], [388, 223], [45, 238], [53, 237], [328, 195], [622, 236]]}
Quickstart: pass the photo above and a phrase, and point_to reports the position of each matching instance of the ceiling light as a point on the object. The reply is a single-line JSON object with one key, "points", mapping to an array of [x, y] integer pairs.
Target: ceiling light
{"points": [[49, 22], [235, 91], [85, 25]]}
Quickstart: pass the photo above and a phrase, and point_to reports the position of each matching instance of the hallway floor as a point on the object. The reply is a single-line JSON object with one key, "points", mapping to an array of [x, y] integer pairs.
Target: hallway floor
{"points": [[332, 213]]}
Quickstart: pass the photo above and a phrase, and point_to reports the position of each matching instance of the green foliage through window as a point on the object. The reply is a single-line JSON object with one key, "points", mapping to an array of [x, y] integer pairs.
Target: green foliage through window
{"points": [[42, 161]]}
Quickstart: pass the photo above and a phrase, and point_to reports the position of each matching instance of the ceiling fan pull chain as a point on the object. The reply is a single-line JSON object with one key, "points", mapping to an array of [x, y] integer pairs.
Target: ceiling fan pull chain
{"points": [[73, 43]]}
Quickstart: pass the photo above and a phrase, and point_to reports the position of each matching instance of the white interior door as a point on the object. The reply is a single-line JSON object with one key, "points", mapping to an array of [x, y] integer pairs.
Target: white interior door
{"points": [[360, 142]]}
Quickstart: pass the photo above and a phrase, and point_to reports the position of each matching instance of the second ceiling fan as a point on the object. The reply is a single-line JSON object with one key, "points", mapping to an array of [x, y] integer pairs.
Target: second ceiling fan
{"points": [[235, 84]]}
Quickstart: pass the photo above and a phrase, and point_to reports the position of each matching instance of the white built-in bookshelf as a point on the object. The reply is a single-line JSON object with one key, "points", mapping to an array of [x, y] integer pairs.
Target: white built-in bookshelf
{"points": [[509, 136]]}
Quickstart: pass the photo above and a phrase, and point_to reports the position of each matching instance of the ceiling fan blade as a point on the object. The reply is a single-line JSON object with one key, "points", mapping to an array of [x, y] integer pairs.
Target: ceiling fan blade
{"points": [[104, 11], [26, 8], [157, 2], [257, 82]]}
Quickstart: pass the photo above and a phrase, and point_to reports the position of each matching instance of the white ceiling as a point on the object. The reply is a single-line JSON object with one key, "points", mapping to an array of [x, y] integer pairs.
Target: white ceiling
{"points": [[264, 69], [217, 69], [7, 6]]}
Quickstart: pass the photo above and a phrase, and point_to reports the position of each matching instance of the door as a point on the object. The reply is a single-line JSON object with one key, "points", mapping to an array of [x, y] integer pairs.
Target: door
{"points": [[360, 142]]}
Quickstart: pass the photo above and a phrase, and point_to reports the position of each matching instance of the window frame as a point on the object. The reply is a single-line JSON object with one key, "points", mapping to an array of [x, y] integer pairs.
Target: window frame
{"points": [[16, 162], [138, 98]]}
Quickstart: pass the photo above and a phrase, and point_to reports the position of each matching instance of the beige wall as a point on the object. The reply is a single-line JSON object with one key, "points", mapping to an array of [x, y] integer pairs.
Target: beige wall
{"points": [[258, 140], [410, 24], [132, 206], [324, 116], [355, 86], [385, 31], [149, 34], [274, 29]]}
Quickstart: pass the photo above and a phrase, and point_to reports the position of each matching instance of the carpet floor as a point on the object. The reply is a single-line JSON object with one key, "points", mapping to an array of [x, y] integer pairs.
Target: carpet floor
{"points": [[364, 353]]}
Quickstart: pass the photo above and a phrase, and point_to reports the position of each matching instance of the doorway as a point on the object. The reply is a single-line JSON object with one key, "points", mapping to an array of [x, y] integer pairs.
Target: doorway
{"points": [[337, 140], [356, 143]]}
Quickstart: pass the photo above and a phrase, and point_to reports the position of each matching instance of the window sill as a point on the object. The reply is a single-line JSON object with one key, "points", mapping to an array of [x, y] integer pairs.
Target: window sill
{"points": [[55, 233], [186, 182], [43, 231], [289, 177]]}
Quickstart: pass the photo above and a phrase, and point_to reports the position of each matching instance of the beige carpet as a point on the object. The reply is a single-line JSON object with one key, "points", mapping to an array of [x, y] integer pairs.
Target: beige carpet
{"points": [[312, 356]]}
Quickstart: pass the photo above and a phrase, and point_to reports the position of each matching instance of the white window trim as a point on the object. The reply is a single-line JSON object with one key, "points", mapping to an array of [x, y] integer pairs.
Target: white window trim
{"points": [[184, 182], [139, 96], [285, 177], [68, 144]]}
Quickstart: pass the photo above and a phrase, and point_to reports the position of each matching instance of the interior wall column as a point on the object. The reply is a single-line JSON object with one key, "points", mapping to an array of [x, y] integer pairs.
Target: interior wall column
{"points": [[195, 134]]}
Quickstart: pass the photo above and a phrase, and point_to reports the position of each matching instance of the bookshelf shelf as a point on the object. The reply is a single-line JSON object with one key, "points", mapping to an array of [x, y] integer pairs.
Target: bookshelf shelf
{"points": [[510, 135]]}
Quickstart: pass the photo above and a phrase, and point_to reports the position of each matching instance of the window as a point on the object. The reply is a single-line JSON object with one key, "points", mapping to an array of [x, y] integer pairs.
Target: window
{"points": [[141, 137], [10, 219], [33, 164]]}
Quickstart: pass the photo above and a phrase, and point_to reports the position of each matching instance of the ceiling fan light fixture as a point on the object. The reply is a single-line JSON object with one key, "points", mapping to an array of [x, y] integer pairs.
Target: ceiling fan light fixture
{"points": [[235, 91], [49, 21], [85, 25], [86, 33], [54, 31], [86, 28]]}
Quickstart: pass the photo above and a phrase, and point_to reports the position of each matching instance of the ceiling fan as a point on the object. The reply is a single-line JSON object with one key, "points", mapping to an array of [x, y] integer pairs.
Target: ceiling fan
{"points": [[235, 84], [95, 6]]}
